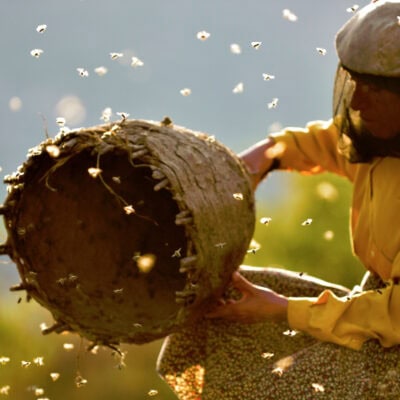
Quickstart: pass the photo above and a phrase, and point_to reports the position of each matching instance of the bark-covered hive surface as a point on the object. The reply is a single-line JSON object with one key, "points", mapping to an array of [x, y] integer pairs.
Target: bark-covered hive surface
{"points": [[127, 231]]}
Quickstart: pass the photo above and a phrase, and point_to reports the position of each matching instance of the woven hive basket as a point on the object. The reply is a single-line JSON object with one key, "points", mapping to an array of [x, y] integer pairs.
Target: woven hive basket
{"points": [[126, 232]]}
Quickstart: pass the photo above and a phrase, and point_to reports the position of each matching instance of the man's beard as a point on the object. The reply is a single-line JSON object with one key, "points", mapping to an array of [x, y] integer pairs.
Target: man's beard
{"points": [[359, 145]]}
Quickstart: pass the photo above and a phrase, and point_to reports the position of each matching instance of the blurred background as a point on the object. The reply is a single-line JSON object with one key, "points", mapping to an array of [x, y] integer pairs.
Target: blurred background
{"points": [[233, 69]]}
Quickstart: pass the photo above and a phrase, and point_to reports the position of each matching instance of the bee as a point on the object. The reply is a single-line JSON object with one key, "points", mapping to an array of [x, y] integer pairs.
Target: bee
{"points": [[115, 56], [203, 35], [136, 62], [36, 53], [268, 77], [235, 48], [41, 28], [83, 72], [273, 103], [238, 88]]}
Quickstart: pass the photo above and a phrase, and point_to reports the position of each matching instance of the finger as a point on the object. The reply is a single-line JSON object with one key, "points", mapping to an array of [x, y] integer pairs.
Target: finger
{"points": [[213, 314], [218, 312], [241, 283]]}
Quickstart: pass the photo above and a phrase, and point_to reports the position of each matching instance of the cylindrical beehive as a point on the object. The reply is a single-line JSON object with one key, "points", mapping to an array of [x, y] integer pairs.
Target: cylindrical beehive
{"points": [[126, 232]]}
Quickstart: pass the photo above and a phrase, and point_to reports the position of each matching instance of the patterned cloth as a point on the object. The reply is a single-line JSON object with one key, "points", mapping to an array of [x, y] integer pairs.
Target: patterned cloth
{"points": [[220, 360]]}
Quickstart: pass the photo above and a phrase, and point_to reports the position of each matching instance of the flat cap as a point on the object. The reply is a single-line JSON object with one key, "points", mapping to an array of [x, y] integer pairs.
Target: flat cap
{"points": [[369, 42]]}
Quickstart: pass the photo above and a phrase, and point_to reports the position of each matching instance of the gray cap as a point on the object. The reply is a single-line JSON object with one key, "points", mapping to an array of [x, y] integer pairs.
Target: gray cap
{"points": [[369, 43]]}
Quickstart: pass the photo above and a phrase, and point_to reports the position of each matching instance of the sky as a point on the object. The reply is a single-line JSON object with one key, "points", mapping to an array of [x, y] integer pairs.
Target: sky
{"points": [[279, 71]]}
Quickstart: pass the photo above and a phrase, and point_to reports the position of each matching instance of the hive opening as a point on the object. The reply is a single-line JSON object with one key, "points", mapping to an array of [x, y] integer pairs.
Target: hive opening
{"points": [[64, 219]]}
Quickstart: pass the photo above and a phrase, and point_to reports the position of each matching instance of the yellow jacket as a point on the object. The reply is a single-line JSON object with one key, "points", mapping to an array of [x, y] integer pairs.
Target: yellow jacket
{"points": [[375, 229]]}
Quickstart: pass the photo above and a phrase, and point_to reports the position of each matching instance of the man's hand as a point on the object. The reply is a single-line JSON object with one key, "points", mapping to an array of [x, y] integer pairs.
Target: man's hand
{"points": [[257, 304], [257, 160]]}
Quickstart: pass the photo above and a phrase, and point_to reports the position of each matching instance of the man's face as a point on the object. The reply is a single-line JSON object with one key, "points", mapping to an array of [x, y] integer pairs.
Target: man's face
{"points": [[379, 108]]}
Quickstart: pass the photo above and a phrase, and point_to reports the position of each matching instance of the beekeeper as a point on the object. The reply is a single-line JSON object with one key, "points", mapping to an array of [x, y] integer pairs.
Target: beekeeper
{"points": [[348, 342]]}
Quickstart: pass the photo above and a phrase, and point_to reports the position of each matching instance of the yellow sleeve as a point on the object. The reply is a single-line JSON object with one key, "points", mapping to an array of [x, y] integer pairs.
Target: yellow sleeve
{"points": [[373, 314], [312, 150]]}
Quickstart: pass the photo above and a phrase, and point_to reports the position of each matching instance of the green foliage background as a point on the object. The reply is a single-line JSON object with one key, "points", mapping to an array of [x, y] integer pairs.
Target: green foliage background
{"points": [[284, 242]]}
